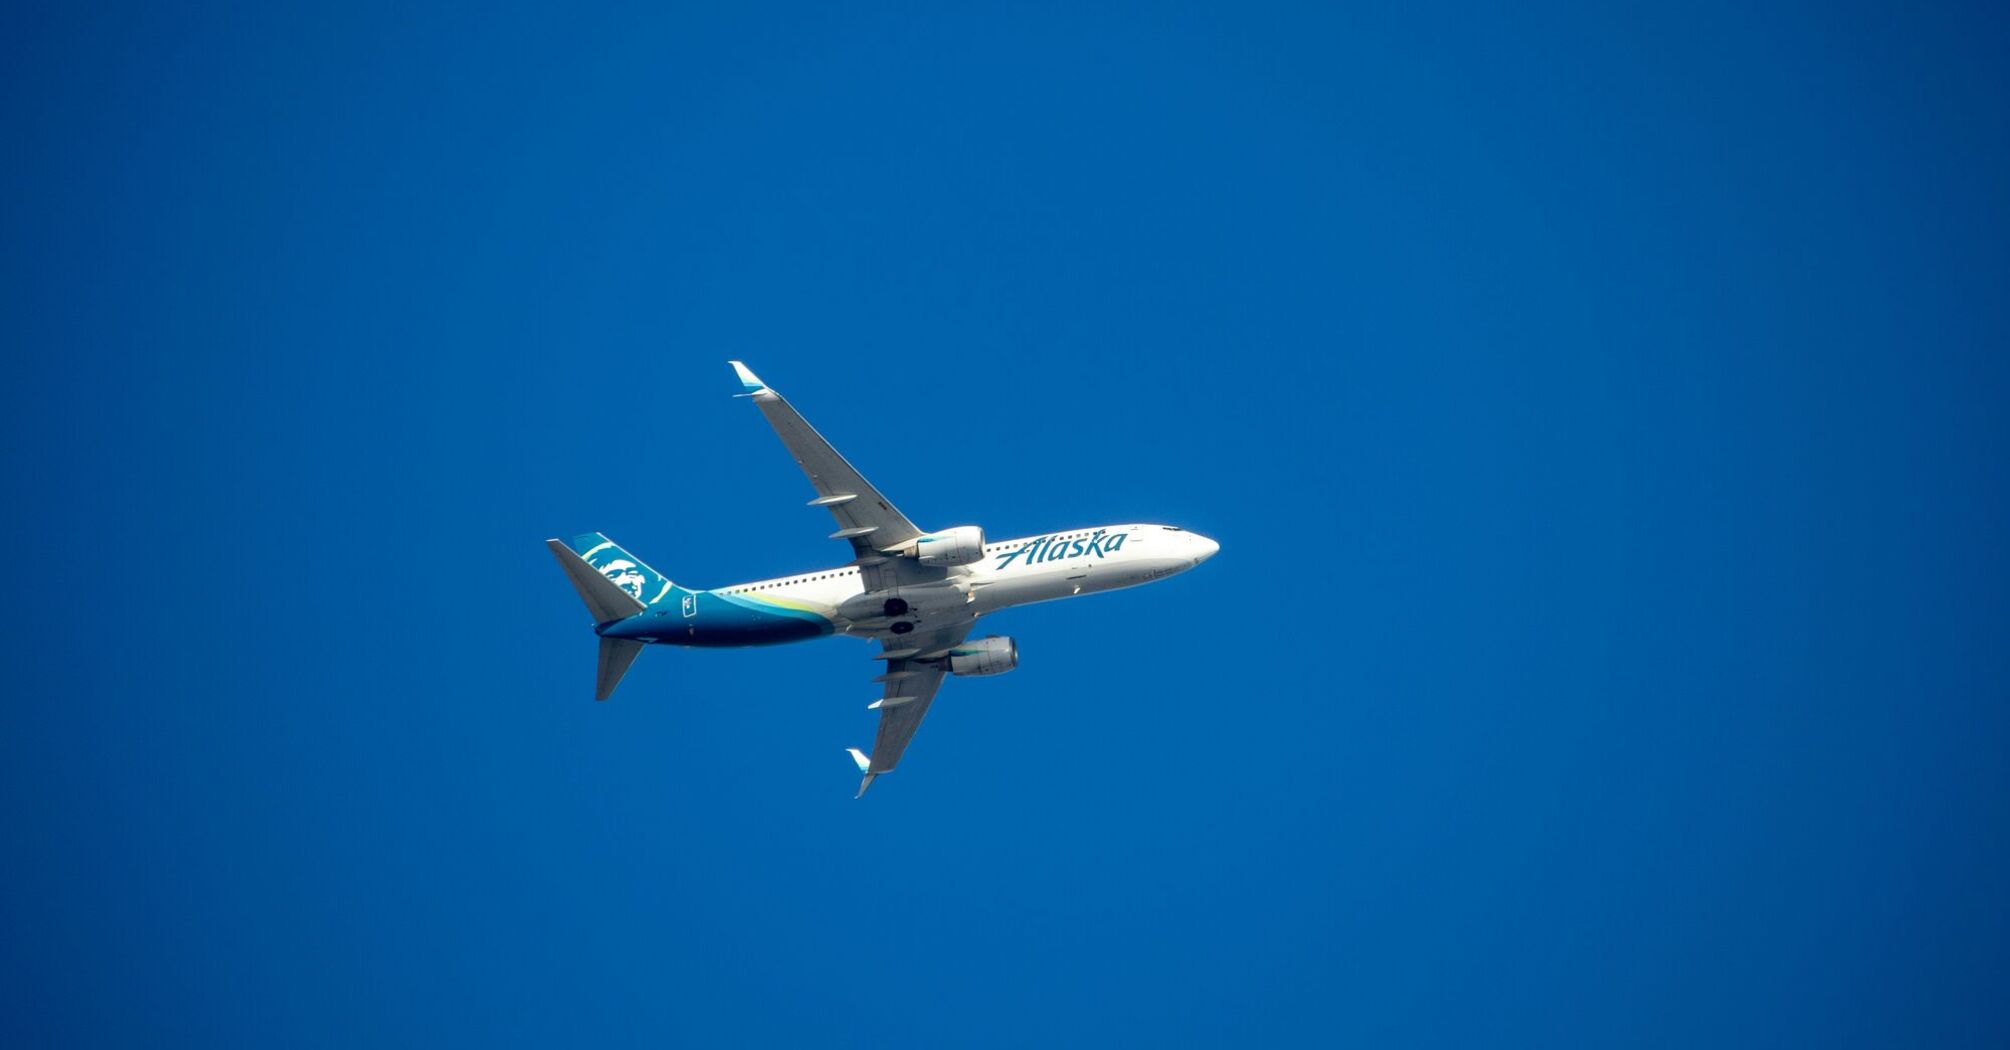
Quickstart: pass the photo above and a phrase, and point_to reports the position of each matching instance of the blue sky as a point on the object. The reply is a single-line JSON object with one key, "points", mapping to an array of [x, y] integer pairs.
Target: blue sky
{"points": [[1600, 410]]}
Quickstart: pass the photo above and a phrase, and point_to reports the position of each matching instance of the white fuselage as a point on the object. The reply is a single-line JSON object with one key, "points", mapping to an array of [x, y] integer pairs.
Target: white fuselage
{"points": [[1012, 572]]}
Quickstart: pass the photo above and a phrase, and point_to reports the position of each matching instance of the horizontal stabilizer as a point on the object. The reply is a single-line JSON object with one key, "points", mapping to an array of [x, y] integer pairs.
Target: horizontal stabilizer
{"points": [[615, 656], [603, 597]]}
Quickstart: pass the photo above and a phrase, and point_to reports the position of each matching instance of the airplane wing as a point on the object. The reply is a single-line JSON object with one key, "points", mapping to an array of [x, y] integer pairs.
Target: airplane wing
{"points": [[873, 525], [863, 515], [910, 688]]}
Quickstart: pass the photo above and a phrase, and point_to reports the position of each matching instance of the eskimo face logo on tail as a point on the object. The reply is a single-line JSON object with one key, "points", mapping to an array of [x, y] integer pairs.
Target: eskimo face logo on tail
{"points": [[1047, 548], [623, 573]]}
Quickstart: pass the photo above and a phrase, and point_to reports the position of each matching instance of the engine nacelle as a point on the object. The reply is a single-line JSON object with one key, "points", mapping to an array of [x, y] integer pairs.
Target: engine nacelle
{"points": [[958, 546], [994, 655]]}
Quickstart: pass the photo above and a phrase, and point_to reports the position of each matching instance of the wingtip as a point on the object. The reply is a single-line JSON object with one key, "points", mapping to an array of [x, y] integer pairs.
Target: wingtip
{"points": [[864, 765], [747, 377]]}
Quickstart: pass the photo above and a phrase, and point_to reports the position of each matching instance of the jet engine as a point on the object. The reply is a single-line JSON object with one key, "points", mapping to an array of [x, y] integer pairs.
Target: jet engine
{"points": [[958, 546], [994, 655]]}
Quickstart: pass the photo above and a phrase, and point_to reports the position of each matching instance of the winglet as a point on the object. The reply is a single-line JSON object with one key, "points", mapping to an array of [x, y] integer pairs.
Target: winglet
{"points": [[748, 379], [864, 766]]}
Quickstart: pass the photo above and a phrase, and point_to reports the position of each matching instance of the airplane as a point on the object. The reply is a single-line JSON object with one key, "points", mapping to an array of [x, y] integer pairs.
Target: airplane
{"points": [[919, 594]]}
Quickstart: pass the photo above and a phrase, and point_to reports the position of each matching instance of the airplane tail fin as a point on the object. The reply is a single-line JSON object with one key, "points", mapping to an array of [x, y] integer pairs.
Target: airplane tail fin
{"points": [[628, 572], [613, 584], [605, 597]]}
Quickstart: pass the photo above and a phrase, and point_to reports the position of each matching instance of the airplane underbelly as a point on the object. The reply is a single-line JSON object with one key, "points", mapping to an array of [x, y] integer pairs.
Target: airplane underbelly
{"points": [[1025, 589], [727, 620]]}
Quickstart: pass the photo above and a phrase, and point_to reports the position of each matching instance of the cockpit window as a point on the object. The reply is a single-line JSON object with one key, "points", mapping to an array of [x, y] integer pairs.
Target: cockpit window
{"points": [[1172, 528]]}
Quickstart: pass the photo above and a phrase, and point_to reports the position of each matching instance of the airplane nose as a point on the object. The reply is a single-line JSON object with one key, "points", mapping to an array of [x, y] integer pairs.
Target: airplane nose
{"points": [[1207, 549]]}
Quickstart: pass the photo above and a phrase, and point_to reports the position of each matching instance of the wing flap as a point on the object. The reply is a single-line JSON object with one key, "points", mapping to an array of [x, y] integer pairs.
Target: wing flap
{"points": [[899, 717]]}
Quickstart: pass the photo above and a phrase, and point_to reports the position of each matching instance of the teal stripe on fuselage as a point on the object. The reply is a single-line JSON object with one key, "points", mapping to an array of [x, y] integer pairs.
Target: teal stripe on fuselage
{"points": [[721, 620]]}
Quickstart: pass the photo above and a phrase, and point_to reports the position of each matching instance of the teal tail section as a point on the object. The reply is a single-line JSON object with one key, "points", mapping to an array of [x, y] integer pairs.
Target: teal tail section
{"points": [[617, 588], [628, 572]]}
